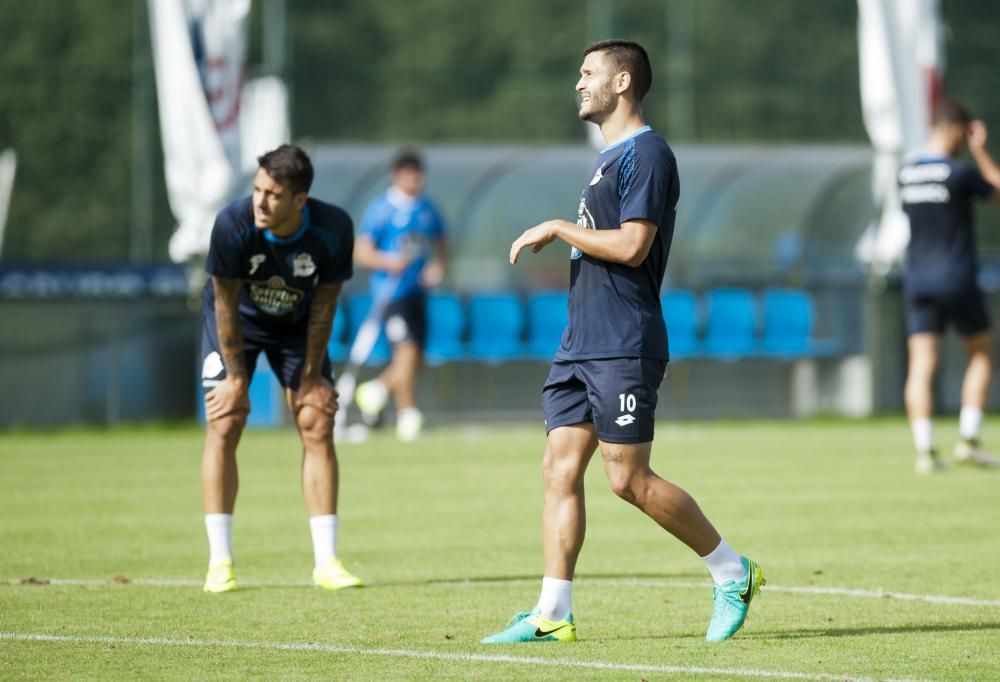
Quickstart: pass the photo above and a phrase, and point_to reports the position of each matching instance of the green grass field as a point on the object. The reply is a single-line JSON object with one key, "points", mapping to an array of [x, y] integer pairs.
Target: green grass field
{"points": [[872, 571]]}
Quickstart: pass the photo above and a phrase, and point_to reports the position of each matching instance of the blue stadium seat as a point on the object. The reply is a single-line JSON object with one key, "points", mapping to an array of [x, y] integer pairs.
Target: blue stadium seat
{"points": [[548, 315], [495, 323], [789, 321], [337, 349], [358, 308], [445, 326], [732, 323], [680, 312]]}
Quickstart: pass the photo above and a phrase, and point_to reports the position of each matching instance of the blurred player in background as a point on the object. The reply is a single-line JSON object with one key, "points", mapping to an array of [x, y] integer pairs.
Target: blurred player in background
{"points": [[402, 241], [941, 270], [277, 261], [601, 388]]}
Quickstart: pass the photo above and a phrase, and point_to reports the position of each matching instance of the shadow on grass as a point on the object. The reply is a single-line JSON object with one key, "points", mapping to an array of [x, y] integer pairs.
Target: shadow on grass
{"points": [[810, 633], [501, 579], [874, 630]]}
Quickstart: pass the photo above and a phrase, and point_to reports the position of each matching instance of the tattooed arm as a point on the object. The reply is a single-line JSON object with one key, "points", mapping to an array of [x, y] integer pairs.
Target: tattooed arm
{"points": [[315, 389], [231, 394]]}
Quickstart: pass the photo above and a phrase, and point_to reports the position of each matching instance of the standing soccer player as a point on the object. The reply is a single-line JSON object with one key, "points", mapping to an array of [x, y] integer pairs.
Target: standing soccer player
{"points": [[402, 241], [277, 261], [601, 388], [940, 279]]}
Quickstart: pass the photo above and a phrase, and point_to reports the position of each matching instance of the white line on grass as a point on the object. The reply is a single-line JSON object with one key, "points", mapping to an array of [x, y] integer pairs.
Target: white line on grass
{"points": [[433, 655], [636, 582]]}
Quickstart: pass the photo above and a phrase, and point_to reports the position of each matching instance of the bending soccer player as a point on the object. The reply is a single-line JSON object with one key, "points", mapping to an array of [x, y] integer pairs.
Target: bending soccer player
{"points": [[940, 279], [402, 241], [277, 261], [601, 390]]}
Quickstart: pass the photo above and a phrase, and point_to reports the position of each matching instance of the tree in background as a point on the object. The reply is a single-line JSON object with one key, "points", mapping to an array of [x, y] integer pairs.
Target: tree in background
{"points": [[774, 71]]}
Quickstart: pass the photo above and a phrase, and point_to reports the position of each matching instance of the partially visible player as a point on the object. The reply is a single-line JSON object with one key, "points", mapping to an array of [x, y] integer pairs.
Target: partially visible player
{"points": [[402, 241], [601, 390], [941, 270], [277, 261]]}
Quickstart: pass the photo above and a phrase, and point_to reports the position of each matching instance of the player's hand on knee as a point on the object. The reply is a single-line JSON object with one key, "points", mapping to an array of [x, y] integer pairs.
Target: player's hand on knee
{"points": [[230, 396], [317, 392]]}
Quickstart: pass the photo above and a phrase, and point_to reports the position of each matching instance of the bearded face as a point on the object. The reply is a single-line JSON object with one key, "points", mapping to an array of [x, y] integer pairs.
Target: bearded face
{"points": [[596, 88]]}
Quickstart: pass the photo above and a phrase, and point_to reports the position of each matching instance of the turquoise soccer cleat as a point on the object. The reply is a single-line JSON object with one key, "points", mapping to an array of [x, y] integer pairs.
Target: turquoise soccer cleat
{"points": [[732, 601], [528, 626]]}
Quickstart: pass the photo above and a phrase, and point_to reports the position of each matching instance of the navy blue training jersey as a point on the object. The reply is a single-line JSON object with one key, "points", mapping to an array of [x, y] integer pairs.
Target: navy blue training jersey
{"points": [[279, 274], [614, 309], [936, 193]]}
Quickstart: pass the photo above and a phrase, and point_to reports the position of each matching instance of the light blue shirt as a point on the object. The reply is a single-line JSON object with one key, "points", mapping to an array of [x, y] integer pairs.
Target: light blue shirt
{"points": [[398, 223]]}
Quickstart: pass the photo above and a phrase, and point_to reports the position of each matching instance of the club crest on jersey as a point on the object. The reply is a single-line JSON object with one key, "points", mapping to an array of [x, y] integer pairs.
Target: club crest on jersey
{"points": [[256, 261], [303, 265], [584, 219]]}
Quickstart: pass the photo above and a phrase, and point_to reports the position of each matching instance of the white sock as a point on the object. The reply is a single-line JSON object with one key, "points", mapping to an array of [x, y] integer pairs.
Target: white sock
{"points": [[923, 434], [324, 535], [556, 599], [724, 564], [970, 419], [220, 537], [409, 413]]}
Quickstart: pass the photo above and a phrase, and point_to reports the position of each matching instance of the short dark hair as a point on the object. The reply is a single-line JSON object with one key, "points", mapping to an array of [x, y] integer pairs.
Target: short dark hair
{"points": [[290, 166], [627, 56], [408, 158], [949, 112]]}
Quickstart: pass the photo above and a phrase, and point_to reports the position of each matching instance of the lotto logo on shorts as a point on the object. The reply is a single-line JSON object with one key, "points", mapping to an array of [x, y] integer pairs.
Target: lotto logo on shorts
{"points": [[628, 402]]}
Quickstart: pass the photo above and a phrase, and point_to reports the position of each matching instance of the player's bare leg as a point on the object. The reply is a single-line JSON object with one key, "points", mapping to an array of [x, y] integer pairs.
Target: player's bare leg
{"points": [[924, 350], [401, 375], [320, 481], [219, 475], [568, 451], [400, 378], [737, 579], [975, 387], [628, 471], [319, 460], [219, 484], [976, 383]]}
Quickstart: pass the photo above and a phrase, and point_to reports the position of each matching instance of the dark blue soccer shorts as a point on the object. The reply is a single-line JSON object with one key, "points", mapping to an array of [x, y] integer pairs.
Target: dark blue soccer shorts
{"points": [[286, 353], [618, 395], [932, 314], [406, 320]]}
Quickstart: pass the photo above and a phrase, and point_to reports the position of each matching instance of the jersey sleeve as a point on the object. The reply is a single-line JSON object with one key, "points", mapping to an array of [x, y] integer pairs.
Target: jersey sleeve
{"points": [[224, 248], [644, 179], [974, 183], [340, 262]]}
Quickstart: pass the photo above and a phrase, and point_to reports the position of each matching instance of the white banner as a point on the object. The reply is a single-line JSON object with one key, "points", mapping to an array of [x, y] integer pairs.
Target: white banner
{"points": [[8, 167], [901, 61], [199, 49], [264, 119]]}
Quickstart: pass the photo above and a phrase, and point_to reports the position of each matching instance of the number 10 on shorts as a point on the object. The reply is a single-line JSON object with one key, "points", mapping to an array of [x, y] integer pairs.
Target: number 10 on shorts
{"points": [[627, 402]]}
